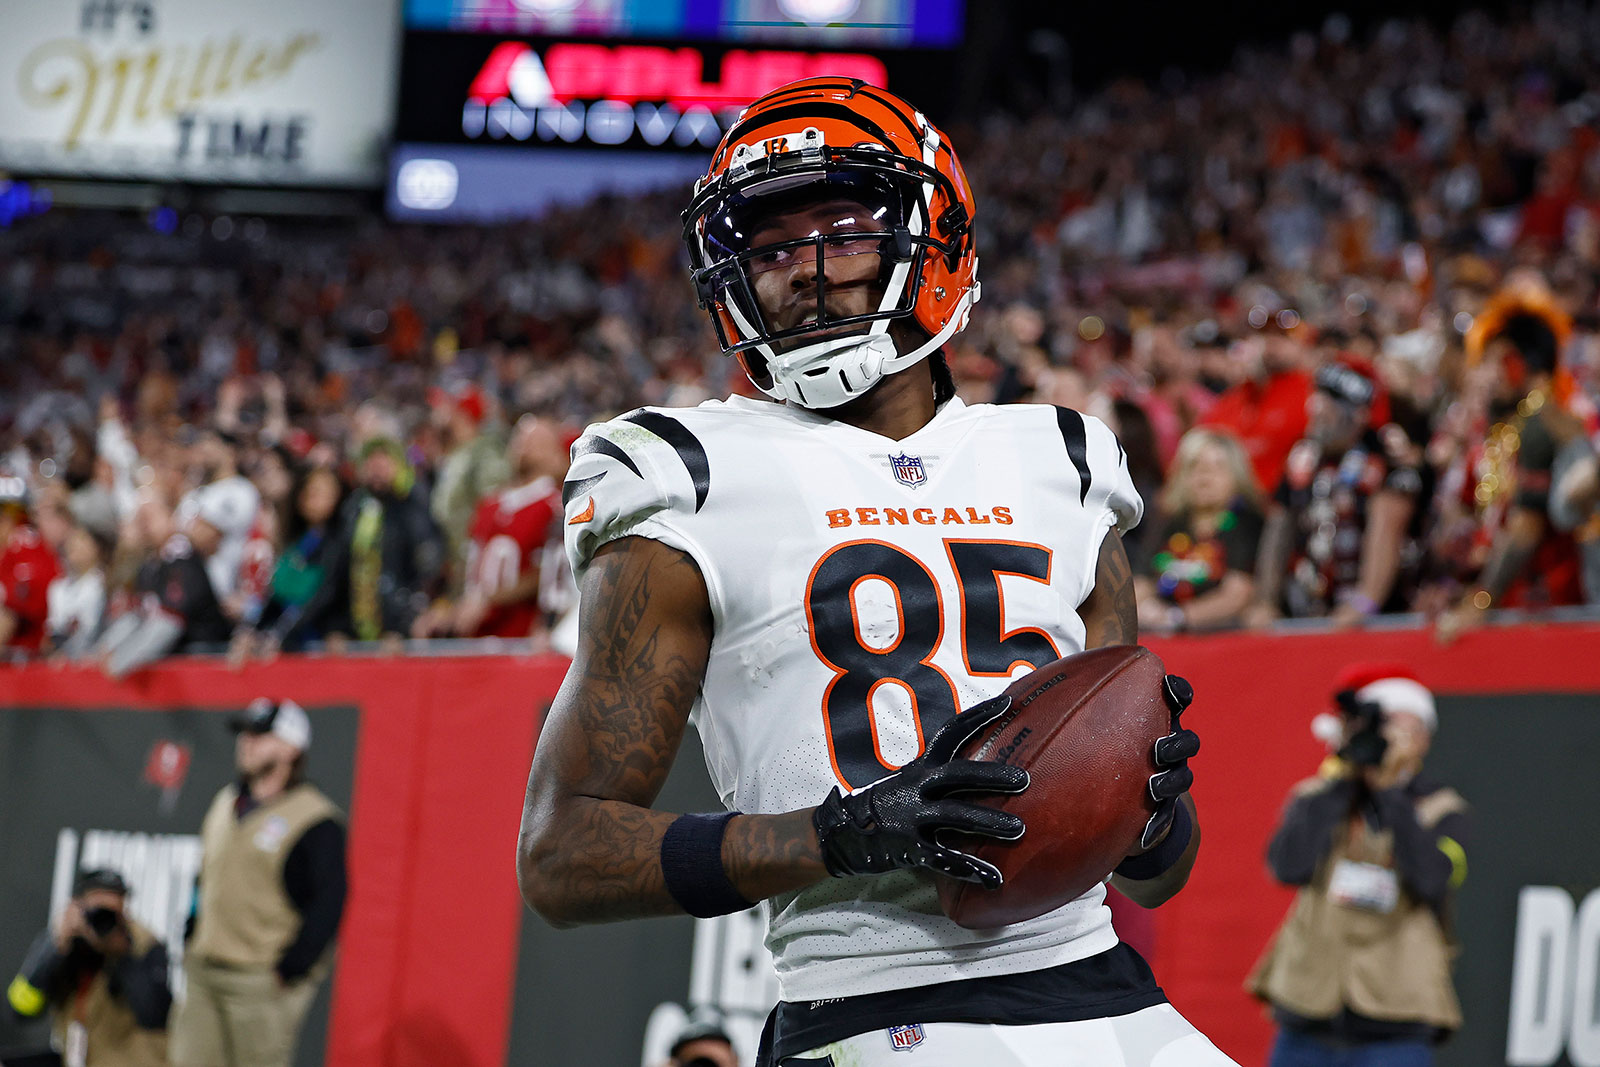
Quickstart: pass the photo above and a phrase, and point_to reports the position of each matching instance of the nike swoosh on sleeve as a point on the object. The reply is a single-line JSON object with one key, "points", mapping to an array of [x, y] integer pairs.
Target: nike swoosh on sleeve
{"points": [[583, 516]]}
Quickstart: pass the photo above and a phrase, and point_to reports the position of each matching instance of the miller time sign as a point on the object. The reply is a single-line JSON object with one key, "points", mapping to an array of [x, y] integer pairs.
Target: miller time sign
{"points": [[253, 91]]}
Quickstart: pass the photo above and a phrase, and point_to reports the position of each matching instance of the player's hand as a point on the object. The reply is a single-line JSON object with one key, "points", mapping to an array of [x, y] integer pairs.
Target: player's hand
{"points": [[1172, 754], [893, 823]]}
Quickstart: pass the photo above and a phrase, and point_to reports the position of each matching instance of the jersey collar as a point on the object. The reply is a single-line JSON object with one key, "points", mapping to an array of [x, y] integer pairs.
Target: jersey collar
{"points": [[949, 411]]}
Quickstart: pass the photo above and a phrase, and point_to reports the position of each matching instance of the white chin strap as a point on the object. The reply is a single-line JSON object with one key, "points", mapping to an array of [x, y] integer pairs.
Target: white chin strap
{"points": [[839, 369]]}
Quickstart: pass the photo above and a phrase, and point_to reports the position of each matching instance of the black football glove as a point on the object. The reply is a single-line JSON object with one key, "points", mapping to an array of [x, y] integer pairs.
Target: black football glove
{"points": [[1172, 756], [893, 823]]}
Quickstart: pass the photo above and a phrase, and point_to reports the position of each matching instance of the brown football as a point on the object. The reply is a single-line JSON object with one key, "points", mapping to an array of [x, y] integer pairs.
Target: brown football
{"points": [[1085, 728]]}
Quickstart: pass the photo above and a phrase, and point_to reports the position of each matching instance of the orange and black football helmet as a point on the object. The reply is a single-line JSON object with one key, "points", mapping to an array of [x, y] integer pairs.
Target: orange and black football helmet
{"points": [[827, 140]]}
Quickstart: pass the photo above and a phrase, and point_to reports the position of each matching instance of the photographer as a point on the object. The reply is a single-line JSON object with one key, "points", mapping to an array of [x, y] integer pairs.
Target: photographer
{"points": [[1359, 972], [103, 976], [703, 1044]]}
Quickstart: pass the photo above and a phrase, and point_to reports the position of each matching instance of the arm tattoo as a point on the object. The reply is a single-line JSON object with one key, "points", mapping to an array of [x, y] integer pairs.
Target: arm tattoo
{"points": [[1112, 616], [591, 845], [765, 856], [635, 694]]}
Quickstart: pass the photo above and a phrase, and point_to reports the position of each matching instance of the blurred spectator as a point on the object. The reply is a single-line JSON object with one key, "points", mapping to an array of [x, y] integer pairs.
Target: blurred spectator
{"points": [[77, 599], [1137, 436], [386, 559], [1199, 573], [474, 466], [102, 975], [301, 569], [272, 471], [1359, 972], [229, 501], [92, 481], [509, 535], [1266, 410], [1341, 537], [27, 567], [115, 461], [1531, 560], [173, 606]]}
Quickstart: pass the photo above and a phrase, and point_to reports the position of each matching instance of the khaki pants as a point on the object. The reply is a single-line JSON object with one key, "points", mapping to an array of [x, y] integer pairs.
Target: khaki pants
{"points": [[234, 1017]]}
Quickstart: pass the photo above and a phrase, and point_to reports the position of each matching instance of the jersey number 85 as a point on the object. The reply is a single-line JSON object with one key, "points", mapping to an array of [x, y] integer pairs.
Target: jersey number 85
{"points": [[988, 650]]}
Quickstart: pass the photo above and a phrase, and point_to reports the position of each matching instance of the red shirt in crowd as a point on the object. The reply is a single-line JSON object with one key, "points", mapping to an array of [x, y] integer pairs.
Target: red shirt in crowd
{"points": [[27, 567], [509, 532], [256, 563], [1267, 418]]}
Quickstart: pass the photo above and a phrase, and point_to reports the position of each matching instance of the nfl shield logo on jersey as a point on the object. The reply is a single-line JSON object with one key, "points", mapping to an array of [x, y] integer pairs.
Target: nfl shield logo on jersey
{"points": [[908, 470], [906, 1038]]}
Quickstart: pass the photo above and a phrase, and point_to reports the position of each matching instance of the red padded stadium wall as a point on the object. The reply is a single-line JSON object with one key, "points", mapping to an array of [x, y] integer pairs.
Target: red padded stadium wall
{"points": [[1255, 699], [426, 954]]}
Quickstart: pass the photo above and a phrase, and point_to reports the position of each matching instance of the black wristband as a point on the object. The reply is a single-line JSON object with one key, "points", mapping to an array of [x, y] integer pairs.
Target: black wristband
{"points": [[1160, 859], [691, 864]]}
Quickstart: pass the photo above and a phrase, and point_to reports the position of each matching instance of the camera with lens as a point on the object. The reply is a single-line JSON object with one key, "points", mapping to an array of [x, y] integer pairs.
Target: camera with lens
{"points": [[102, 920], [1364, 744]]}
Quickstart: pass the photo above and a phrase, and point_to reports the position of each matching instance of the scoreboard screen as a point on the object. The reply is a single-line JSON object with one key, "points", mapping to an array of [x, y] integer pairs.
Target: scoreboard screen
{"points": [[509, 106], [678, 96], [812, 23]]}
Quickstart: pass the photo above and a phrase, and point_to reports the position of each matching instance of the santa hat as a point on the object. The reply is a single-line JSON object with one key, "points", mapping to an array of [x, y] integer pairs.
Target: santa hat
{"points": [[1391, 686]]}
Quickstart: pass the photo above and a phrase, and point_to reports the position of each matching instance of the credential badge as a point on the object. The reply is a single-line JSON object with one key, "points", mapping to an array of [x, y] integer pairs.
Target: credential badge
{"points": [[908, 470], [272, 832], [905, 1038]]}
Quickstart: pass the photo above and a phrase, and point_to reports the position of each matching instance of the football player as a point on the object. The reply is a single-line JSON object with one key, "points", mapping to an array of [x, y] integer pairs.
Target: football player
{"points": [[836, 586]]}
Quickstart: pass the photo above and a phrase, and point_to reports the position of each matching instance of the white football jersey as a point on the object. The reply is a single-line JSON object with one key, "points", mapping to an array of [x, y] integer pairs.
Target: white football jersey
{"points": [[230, 505], [863, 589]]}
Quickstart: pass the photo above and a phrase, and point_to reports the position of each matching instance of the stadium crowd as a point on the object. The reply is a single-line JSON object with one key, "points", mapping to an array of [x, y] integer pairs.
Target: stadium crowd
{"points": [[1339, 302]]}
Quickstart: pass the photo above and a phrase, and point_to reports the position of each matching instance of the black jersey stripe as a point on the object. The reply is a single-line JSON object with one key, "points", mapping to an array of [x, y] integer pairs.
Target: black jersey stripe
{"points": [[582, 485], [1075, 437], [596, 443], [686, 444]]}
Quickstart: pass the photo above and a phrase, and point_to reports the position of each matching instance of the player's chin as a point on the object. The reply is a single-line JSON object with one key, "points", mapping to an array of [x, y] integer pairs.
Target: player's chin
{"points": [[811, 337]]}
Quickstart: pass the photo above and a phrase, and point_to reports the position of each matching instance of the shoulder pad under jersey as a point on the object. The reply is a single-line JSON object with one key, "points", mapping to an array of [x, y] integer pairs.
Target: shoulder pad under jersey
{"points": [[642, 474], [1102, 467]]}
